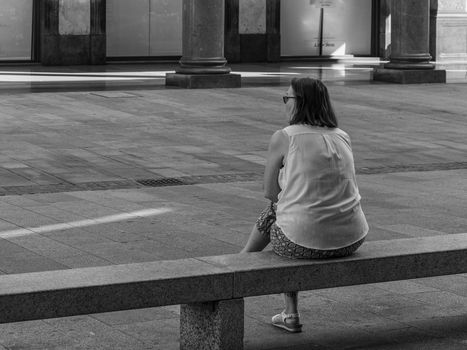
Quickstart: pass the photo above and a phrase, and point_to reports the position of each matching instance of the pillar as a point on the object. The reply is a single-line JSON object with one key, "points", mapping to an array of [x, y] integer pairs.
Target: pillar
{"points": [[410, 44], [72, 32], [216, 325], [203, 64]]}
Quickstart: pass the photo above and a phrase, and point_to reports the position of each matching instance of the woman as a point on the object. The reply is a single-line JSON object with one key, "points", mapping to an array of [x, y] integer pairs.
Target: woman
{"points": [[309, 178]]}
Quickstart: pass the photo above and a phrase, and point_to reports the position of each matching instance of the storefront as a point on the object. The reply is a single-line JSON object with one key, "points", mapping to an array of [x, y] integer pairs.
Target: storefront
{"points": [[68, 32], [146, 29]]}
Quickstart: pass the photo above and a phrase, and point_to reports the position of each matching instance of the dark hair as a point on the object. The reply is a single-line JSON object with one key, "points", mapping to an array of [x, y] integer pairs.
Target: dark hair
{"points": [[312, 103]]}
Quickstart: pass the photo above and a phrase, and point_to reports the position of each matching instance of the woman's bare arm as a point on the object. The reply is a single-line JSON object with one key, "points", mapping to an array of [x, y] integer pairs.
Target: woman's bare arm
{"points": [[278, 146]]}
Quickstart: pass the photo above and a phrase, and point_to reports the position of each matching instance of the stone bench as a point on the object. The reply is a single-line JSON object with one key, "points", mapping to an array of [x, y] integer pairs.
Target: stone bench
{"points": [[211, 289]]}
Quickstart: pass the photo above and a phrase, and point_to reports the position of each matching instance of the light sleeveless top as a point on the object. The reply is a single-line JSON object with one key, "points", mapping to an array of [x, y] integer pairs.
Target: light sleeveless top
{"points": [[319, 203]]}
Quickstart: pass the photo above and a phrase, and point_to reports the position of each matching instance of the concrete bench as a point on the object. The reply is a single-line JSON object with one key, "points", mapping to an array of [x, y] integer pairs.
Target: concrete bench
{"points": [[211, 289]]}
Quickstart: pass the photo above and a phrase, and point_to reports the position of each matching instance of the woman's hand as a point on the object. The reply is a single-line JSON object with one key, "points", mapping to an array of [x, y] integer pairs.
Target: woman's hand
{"points": [[278, 148]]}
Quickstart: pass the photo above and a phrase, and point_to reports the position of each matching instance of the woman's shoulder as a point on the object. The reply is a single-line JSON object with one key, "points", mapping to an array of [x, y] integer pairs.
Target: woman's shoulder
{"points": [[305, 128], [278, 142], [295, 128], [341, 132], [280, 135]]}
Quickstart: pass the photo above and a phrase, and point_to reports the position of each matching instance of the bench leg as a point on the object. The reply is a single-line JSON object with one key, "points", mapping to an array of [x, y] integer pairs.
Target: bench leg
{"points": [[216, 325]]}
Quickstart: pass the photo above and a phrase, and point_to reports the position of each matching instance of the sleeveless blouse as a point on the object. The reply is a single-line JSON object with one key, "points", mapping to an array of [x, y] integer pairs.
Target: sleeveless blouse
{"points": [[319, 203]]}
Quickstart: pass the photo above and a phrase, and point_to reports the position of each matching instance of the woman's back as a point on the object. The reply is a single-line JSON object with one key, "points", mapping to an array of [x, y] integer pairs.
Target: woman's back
{"points": [[319, 202]]}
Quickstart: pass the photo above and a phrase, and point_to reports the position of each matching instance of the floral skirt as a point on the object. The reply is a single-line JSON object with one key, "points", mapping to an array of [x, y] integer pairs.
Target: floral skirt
{"points": [[281, 245]]}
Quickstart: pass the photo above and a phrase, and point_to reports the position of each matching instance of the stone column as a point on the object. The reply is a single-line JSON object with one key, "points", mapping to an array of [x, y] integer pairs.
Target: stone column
{"points": [[203, 64], [72, 32], [410, 44]]}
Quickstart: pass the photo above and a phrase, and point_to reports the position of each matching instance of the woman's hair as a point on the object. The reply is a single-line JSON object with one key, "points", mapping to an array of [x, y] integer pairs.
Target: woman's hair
{"points": [[312, 103]]}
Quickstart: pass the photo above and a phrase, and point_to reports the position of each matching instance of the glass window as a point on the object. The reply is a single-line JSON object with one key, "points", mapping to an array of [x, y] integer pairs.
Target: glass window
{"points": [[166, 27], [16, 29], [127, 28], [346, 27], [144, 28], [299, 28]]}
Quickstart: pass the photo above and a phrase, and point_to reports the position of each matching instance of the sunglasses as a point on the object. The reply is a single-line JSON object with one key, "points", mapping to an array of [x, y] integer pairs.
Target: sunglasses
{"points": [[286, 98]]}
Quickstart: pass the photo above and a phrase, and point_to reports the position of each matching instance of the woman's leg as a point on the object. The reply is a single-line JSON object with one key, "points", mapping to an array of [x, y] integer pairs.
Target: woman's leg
{"points": [[289, 319], [260, 234], [256, 242], [281, 247], [291, 302]]}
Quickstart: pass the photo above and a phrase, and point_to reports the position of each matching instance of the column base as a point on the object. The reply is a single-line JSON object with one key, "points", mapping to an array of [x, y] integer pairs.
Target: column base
{"points": [[216, 325], [409, 76], [203, 81]]}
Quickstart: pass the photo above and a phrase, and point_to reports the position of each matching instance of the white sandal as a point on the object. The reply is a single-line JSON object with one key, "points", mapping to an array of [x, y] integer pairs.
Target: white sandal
{"points": [[289, 322]]}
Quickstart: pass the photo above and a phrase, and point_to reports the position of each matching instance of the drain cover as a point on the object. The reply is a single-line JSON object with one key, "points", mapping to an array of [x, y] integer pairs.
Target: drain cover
{"points": [[168, 181]]}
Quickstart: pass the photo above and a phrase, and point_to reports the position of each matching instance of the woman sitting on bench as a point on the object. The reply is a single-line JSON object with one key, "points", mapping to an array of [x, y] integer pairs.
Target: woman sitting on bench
{"points": [[309, 178]]}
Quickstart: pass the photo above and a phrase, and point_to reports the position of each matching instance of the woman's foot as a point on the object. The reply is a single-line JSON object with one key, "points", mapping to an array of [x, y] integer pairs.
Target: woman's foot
{"points": [[289, 322]]}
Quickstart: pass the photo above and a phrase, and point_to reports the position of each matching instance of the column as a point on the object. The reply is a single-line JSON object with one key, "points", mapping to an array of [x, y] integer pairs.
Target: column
{"points": [[203, 64], [410, 44], [72, 32]]}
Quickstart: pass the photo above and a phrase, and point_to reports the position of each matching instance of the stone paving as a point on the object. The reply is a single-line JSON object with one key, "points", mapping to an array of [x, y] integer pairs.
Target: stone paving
{"points": [[132, 172]]}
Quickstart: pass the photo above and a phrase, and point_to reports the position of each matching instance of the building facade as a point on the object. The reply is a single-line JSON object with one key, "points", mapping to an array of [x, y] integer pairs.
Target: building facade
{"points": [[56, 32]]}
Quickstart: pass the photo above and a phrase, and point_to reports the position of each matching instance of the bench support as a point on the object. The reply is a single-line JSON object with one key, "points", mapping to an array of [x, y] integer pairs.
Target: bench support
{"points": [[216, 325]]}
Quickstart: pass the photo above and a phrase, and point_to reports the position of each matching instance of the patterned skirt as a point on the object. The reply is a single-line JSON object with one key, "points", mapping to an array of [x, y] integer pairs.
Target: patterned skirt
{"points": [[281, 245]]}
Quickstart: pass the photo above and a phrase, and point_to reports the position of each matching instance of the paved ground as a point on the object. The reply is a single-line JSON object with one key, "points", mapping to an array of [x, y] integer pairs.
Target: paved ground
{"points": [[87, 156]]}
